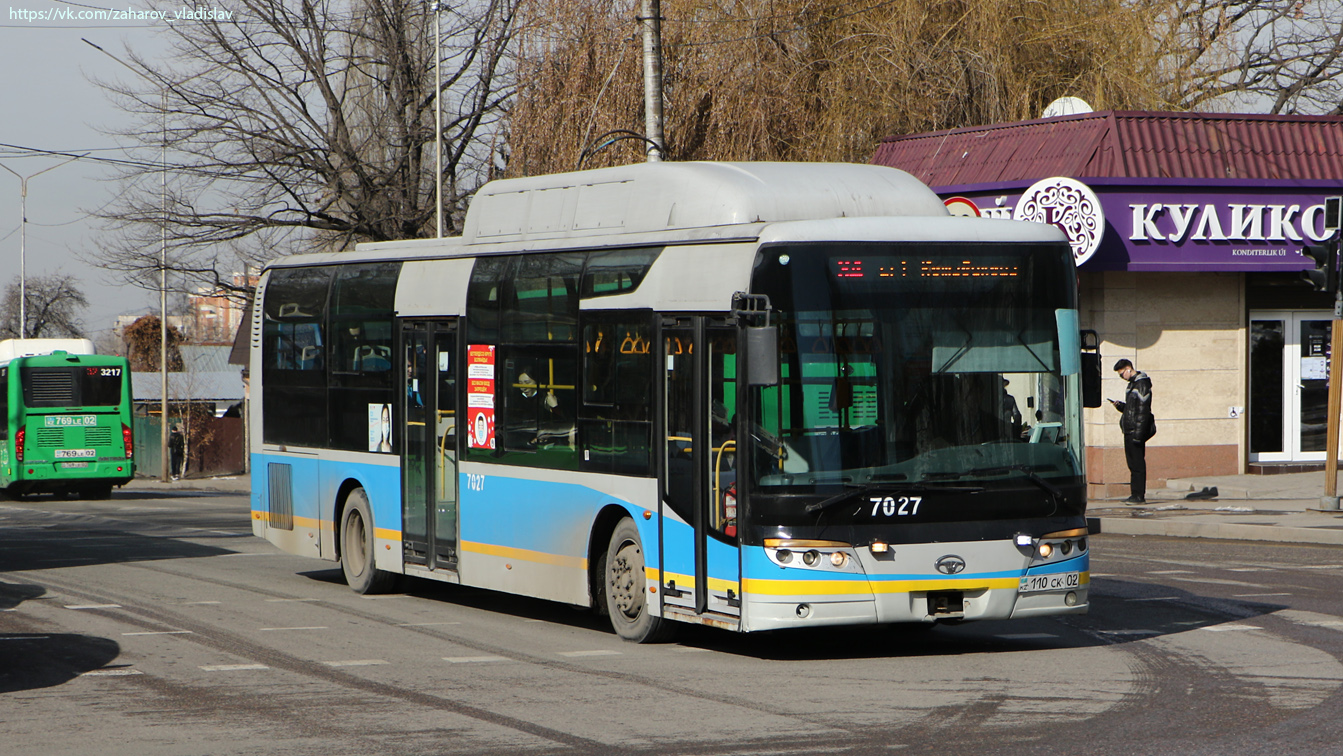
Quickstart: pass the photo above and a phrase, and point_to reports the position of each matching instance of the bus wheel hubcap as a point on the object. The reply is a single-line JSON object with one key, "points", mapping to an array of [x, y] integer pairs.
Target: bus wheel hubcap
{"points": [[627, 580]]}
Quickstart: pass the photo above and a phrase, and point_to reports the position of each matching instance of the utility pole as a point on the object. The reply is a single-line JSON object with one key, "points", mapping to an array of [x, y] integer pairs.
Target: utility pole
{"points": [[650, 15], [1333, 207], [438, 9]]}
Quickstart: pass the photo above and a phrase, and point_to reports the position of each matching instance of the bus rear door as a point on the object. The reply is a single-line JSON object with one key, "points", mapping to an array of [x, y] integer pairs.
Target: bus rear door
{"points": [[429, 462]]}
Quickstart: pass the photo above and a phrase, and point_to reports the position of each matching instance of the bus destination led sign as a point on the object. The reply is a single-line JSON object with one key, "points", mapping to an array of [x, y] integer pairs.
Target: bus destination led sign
{"points": [[885, 267]]}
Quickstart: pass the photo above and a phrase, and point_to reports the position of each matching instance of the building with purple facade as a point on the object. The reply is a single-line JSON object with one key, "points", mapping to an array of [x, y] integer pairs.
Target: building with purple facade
{"points": [[1187, 229]]}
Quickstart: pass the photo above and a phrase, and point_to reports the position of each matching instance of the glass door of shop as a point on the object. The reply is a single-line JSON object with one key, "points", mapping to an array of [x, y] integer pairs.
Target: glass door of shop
{"points": [[1289, 386]]}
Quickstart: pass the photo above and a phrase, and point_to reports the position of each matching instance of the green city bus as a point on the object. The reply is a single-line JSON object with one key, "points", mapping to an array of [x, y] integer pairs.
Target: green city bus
{"points": [[67, 424]]}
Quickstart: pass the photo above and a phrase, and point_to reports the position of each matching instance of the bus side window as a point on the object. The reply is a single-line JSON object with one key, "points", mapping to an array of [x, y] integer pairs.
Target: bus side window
{"points": [[616, 412]]}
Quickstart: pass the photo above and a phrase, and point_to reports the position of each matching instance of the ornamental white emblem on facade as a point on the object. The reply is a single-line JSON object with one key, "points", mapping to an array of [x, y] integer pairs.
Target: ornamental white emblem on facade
{"points": [[1069, 205]]}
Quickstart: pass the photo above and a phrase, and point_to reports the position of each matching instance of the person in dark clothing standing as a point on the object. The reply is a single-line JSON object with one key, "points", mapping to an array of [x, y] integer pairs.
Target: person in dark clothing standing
{"points": [[1138, 425], [176, 445]]}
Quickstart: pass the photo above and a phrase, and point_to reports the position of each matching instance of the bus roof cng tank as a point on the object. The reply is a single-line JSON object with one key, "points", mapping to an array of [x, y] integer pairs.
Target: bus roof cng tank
{"points": [[663, 196], [14, 348]]}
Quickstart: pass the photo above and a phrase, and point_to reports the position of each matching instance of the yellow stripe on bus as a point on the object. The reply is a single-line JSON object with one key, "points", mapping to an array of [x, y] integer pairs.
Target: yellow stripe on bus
{"points": [[526, 555], [687, 582]]}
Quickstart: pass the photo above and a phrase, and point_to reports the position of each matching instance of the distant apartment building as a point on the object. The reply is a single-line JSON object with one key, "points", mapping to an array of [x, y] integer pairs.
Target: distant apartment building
{"points": [[216, 313]]}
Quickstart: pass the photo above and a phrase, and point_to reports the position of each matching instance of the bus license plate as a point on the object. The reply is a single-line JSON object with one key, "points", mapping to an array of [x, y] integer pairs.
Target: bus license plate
{"points": [[1056, 582], [76, 453], [69, 465]]}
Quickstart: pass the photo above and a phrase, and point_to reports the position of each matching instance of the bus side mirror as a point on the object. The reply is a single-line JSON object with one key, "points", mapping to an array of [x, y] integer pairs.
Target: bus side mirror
{"points": [[762, 355], [1091, 369]]}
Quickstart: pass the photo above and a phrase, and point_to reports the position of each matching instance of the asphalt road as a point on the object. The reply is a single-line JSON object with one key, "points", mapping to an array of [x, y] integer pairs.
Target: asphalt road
{"points": [[152, 624]]}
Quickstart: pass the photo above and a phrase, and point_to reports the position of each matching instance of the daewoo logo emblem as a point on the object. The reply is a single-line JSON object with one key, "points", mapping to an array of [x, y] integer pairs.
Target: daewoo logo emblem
{"points": [[950, 565]]}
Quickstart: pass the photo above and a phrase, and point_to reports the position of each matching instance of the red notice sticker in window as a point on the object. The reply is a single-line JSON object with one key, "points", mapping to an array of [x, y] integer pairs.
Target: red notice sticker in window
{"points": [[480, 396]]}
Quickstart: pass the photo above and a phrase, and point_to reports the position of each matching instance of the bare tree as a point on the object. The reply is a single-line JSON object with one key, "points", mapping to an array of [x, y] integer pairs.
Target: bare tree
{"points": [[303, 125], [1266, 56], [812, 79], [826, 79], [52, 306]]}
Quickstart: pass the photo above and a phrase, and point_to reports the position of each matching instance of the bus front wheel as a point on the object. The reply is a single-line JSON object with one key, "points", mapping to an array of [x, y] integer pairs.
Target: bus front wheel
{"points": [[356, 547], [627, 590]]}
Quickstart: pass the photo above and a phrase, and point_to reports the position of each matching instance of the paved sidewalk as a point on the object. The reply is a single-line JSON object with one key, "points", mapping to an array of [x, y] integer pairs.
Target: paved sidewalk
{"points": [[1282, 508], [239, 484]]}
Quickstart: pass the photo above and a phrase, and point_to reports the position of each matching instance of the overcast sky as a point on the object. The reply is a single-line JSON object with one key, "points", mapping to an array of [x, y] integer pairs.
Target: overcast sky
{"points": [[48, 102]]}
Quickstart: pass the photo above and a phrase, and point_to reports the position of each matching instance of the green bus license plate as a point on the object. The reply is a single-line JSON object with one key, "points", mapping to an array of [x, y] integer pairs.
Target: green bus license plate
{"points": [[71, 421], [1058, 581], [69, 465]]}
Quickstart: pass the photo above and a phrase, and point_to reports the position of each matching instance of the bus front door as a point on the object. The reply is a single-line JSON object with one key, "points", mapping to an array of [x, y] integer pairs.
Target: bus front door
{"points": [[429, 449], [700, 560]]}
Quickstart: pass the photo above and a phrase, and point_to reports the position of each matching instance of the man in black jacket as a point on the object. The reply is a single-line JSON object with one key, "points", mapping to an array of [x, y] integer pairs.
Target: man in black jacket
{"points": [[1138, 425]]}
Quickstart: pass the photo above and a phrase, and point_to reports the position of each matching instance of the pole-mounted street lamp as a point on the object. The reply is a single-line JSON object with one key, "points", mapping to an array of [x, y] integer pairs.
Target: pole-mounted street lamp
{"points": [[23, 239]]}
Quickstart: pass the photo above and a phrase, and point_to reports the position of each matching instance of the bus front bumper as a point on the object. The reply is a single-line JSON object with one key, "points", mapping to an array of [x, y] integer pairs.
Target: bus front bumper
{"points": [[994, 581]]}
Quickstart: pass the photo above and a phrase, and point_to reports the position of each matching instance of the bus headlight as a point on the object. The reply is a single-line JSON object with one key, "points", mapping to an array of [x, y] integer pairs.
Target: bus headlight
{"points": [[1046, 549], [810, 558], [838, 558]]}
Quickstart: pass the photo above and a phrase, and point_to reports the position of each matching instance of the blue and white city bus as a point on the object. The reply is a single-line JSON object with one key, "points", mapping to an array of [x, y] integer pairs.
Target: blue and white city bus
{"points": [[754, 396]]}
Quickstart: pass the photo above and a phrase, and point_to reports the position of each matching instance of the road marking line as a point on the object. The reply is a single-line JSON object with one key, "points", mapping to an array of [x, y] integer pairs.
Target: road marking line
{"points": [[688, 650], [286, 601], [1170, 572], [1026, 636], [111, 673], [25, 637], [1131, 632], [93, 606], [1257, 595], [200, 603], [284, 629], [385, 596], [596, 652], [163, 632], [1229, 628], [232, 667], [1249, 569], [427, 624], [473, 659], [355, 663]]}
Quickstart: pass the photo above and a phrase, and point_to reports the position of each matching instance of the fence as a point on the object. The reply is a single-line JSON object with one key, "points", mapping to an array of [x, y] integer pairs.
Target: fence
{"points": [[215, 446]]}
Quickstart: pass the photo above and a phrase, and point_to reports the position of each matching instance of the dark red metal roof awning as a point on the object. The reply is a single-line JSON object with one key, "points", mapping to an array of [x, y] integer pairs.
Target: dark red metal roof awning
{"points": [[1125, 144]]}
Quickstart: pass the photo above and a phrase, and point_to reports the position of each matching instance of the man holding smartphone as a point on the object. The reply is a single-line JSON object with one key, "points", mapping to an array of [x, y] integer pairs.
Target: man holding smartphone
{"points": [[1138, 425]]}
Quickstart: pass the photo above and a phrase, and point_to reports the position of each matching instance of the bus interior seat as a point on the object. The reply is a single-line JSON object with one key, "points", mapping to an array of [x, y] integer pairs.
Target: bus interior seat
{"points": [[1046, 433]]}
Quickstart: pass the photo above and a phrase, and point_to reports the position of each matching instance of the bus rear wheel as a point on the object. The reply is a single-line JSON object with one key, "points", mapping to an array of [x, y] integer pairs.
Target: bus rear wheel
{"points": [[356, 548], [626, 589]]}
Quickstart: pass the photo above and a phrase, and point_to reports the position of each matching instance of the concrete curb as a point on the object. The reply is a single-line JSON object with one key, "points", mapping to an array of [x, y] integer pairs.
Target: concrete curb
{"points": [[1226, 531]]}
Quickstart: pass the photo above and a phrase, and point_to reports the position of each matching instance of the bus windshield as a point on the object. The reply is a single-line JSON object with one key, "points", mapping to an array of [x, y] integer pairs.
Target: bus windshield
{"points": [[919, 364]]}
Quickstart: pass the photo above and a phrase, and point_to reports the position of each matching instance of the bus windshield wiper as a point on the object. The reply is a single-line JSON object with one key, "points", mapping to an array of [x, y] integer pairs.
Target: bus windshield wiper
{"points": [[852, 491], [857, 490]]}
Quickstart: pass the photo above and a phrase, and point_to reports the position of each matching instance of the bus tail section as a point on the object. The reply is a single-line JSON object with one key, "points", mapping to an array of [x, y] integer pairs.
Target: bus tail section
{"points": [[66, 422]]}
